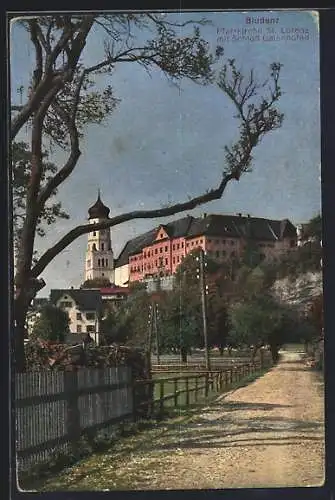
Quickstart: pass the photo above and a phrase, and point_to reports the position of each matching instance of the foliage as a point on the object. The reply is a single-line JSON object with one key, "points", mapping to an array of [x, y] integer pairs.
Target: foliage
{"points": [[52, 324], [97, 283], [258, 322], [50, 355], [181, 321], [21, 168], [117, 326], [313, 228]]}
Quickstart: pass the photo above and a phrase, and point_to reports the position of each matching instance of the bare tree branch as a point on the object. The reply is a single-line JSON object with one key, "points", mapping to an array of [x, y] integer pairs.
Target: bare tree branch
{"points": [[213, 194]]}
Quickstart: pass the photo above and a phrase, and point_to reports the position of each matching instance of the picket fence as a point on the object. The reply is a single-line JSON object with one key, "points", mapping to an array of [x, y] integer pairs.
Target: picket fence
{"points": [[53, 409]]}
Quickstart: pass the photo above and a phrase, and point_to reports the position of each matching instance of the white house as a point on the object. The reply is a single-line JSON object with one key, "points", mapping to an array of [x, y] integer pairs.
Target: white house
{"points": [[84, 307]]}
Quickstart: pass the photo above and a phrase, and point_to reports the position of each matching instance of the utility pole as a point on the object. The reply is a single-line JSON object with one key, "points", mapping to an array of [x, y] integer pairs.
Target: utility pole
{"points": [[203, 290], [155, 316]]}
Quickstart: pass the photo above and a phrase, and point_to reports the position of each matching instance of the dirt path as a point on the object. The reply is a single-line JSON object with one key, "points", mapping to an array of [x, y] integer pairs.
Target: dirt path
{"points": [[267, 434]]}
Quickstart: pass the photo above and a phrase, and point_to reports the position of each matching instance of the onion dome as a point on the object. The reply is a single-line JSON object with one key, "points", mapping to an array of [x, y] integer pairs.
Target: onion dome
{"points": [[98, 210]]}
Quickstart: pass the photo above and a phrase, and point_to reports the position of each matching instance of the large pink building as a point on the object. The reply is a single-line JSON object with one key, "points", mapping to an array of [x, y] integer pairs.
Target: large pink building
{"points": [[223, 237]]}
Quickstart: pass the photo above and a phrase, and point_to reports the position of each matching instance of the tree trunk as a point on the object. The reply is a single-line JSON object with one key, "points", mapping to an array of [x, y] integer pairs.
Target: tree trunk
{"points": [[274, 353], [183, 353], [253, 353], [20, 313]]}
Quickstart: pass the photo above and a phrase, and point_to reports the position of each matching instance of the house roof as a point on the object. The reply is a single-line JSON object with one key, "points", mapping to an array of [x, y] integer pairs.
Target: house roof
{"points": [[234, 226], [85, 299]]}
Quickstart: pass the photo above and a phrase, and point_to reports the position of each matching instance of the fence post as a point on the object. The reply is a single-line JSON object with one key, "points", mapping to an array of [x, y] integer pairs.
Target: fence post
{"points": [[161, 396], [206, 384], [72, 413], [187, 393]]}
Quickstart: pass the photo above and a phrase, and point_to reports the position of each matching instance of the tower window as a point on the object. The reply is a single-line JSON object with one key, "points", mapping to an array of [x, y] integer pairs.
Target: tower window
{"points": [[94, 233], [94, 247], [102, 246], [102, 262], [106, 262]]}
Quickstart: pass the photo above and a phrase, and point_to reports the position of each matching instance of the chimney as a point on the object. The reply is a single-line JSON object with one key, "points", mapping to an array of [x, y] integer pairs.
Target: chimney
{"points": [[204, 215]]}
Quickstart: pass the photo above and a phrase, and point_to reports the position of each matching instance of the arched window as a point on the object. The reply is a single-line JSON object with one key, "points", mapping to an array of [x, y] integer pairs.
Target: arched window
{"points": [[102, 262], [102, 246], [98, 262], [106, 262], [94, 233], [94, 247]]}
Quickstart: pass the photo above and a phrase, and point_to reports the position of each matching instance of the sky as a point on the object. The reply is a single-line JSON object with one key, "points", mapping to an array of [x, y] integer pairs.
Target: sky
{"points": [[162, 144]]}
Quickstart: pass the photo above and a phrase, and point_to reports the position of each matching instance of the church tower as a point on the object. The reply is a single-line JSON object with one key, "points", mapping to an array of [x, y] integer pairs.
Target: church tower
{"points": [[99, 261]]}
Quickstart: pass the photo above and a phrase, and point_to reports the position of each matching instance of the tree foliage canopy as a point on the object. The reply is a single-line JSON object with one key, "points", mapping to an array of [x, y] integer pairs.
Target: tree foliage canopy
{"points": [[52, 324]]}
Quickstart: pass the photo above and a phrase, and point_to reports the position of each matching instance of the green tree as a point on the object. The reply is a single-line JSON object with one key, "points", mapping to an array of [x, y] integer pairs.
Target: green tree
{"points": [[96, 283], [52, 324], [258, 322], [117, 327], [65, 96], [181, 323]]}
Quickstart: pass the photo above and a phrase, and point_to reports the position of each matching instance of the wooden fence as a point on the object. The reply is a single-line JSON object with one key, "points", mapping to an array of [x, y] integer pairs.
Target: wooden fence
{"points": [[194, 386], [54, 409]]}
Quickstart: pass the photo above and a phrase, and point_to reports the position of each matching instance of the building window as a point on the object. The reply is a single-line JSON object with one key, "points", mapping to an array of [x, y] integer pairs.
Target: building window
{"points": [[90, 328], [178, 246], [102, 274], [192, 243], [102, 246], [78, 316], [161, 250], [174, 260], [232, 254], [217, 242], [223, 241], [90, 316], [224, 253], [156, 251], [79, 328], [217, 253], [156, 263], [66, 304], [98, 262], [173, 247], [182, 244], [232, 242], [166, 262], [166, 248], [178, 258], [94, 247], [106, 262], [94, 233]]}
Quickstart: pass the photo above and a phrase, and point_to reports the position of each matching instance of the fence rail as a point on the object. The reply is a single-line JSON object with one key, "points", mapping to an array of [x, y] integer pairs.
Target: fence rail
{"points": [[55, 409], [194, 385]]}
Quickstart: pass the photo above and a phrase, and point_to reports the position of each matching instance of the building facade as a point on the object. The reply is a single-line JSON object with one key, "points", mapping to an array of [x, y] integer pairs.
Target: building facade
{"points": [[84, 308], [224, 238], [99, 262]]}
